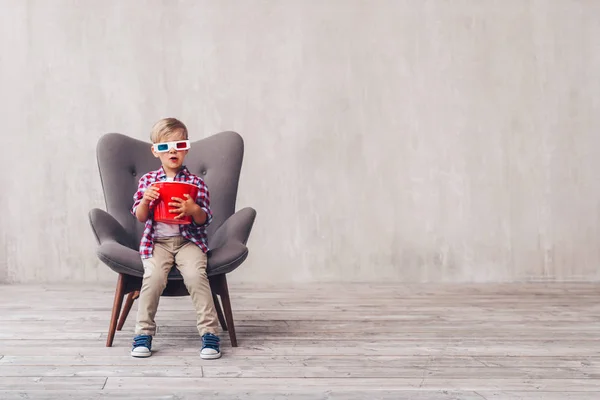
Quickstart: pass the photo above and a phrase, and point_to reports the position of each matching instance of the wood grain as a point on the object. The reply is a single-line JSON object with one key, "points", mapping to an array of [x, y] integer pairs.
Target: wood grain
{"points": [[51, 383], [353, 383], [207, 393]]}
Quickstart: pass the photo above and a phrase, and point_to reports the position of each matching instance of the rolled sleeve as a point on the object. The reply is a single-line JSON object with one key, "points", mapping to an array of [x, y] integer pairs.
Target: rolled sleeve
{"points": [[139, 194], [203, 200]]}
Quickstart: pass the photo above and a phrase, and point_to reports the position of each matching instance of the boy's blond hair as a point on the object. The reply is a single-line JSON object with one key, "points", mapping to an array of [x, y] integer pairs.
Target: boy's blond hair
{"points": [[166, 127]]}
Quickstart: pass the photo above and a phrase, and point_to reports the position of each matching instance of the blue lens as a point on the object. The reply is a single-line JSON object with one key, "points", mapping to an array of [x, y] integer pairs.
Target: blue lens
{"points": [[163, 147]]}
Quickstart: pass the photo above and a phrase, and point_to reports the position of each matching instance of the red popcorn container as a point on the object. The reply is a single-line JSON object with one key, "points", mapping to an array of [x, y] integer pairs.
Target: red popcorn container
{"points": [[167, 190]]}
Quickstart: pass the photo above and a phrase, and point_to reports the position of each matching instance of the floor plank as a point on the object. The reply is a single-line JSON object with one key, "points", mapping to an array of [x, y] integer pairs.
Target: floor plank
{"points": [[589, 365], [278, 371], [232, 394], [354, 349], [51, 383], [473, 384], [102, 371]]}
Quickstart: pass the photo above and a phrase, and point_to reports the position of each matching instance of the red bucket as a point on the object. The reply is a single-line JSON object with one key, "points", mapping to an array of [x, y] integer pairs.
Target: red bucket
{"points": [[167, 190]]}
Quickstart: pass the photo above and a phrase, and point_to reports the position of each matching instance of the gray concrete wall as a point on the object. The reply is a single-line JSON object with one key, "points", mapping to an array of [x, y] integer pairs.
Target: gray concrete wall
{"points": [[386, 140]]}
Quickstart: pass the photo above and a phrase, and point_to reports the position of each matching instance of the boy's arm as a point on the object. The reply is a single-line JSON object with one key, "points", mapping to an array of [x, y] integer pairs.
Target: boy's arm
{"points": [[203, 215], [142, 212], [141, 207]]}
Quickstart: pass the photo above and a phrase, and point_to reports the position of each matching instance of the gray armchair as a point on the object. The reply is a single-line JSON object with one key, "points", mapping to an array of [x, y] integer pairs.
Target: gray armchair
{"points": [[122, 161]]}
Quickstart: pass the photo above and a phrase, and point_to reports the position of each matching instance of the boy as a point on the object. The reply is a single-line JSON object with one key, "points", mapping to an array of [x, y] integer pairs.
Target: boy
{"points": [[163, 245]]}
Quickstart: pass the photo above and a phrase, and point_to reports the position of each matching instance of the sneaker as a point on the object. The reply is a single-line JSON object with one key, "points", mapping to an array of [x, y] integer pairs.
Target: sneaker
{"points": [[210, 347], [142, 346]]}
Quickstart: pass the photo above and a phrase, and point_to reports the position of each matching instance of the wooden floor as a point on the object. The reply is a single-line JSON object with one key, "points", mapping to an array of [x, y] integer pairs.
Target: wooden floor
{"points": [[535, 341]]}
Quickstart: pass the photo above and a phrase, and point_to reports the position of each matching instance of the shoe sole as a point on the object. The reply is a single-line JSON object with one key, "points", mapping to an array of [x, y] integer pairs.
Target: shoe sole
{"points": [[210, 356], [140, 355]]}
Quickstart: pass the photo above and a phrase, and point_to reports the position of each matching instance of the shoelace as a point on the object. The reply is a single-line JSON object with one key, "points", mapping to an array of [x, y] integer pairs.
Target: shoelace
{"points": [[210, 341], [144, 340]]}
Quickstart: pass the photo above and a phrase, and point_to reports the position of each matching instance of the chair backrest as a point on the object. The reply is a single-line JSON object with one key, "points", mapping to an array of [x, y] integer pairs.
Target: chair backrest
{"points": [[122, 160]]}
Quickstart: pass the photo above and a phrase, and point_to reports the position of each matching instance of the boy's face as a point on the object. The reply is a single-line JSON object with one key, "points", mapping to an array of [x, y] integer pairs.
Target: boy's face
{"points": [[172, 159]]}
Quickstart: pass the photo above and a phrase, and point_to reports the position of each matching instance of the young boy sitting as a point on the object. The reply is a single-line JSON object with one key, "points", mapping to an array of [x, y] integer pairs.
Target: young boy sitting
{"points": [[164, 245]]}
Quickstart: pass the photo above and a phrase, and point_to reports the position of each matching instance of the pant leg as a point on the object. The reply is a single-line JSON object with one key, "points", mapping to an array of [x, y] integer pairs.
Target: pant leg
{"points": [[156, 270], [191, 262]]}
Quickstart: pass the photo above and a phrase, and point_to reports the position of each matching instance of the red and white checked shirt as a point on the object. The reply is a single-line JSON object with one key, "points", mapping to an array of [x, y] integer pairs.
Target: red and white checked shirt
{"points": [[193, 232]]}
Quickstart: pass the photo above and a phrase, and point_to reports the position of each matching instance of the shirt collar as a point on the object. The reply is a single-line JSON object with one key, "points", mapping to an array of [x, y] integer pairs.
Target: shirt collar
{"points": [[162, 175]]}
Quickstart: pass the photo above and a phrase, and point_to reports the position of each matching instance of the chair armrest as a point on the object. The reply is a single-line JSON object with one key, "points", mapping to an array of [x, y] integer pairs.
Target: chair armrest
{"points": [[107, 229], [237, 227], [120, 258]]}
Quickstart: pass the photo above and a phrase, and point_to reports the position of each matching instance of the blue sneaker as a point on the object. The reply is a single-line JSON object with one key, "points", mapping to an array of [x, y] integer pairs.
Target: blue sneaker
{"points": [[210, 347], [142, 346]]}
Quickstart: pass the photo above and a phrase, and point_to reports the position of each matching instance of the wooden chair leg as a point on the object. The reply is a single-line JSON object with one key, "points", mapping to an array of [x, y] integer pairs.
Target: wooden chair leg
{"points": [[219, 312], [118, 301], [224, 293], [126, 308]]}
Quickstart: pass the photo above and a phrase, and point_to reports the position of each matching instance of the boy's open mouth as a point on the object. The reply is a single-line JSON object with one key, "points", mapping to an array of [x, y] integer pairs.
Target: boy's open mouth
{"points": [[174, 158]]}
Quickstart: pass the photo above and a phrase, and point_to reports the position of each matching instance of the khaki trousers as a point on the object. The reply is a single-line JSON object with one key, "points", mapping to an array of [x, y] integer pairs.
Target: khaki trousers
{"points": [[191, 262]]}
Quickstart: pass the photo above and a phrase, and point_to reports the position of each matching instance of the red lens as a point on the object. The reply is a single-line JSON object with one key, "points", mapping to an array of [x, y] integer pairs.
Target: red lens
{"points": [[181, 145]]}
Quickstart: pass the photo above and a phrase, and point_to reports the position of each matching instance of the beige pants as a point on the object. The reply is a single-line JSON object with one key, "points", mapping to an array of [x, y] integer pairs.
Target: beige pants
{"points": [[191, 261]]}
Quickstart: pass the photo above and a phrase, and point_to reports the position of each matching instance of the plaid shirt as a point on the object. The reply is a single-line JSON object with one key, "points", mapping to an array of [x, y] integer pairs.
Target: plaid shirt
{"points": [[193, 232]]}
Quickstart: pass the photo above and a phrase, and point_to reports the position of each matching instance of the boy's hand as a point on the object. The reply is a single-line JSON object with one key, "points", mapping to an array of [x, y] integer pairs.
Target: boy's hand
{"points": [[185, 207], [150, 195]]}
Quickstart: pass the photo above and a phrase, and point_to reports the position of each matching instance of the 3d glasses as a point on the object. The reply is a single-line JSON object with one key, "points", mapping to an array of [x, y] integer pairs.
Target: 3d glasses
{"points": [[166, 146]]}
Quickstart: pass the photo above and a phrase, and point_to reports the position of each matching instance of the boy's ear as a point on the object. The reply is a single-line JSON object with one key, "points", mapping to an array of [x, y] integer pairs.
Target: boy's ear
{"points": [[153, 152]]}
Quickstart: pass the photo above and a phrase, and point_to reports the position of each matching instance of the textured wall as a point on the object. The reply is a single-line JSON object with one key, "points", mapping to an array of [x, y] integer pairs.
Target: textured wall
{"points": [[385, 140]]}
